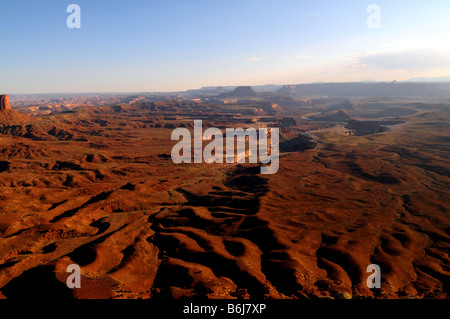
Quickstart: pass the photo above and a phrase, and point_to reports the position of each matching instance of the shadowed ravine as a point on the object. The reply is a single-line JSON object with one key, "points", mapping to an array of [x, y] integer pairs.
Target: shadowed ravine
{"points": [[222, 241]]}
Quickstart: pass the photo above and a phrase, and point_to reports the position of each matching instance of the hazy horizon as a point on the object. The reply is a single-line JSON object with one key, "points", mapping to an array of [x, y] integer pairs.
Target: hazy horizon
{"points": [[368, 81]]}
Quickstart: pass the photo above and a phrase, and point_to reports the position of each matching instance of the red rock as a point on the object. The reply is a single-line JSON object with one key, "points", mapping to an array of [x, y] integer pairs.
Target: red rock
{"points": [[4, 103]]}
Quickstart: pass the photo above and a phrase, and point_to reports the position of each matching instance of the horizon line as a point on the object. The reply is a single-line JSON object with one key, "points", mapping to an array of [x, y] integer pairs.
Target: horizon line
{"points": [[367, 81]]}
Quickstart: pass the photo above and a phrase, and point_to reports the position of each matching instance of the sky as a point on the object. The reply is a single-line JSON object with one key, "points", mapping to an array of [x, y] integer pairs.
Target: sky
{"points": [[174, 45]]}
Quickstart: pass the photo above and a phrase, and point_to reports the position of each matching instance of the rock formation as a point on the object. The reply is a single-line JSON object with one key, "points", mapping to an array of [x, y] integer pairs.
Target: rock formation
{"points": [[369, 127], [8, 116], [4, 103], [240, 91]]}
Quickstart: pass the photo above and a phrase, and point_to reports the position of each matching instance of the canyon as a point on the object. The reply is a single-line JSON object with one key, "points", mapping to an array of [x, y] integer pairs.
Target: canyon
{"points": [[96, 186]]}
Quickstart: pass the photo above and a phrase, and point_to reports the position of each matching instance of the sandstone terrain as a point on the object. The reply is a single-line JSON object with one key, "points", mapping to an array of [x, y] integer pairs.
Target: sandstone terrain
{"points": [[96, 186]]}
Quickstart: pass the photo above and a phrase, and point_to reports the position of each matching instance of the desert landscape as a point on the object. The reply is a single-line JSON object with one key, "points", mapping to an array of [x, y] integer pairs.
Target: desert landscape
{"points": [[362, 180], [257, 158]]}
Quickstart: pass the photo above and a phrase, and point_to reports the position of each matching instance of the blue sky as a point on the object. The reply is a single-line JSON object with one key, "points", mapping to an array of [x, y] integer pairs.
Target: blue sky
{"points": [[135, 46]]}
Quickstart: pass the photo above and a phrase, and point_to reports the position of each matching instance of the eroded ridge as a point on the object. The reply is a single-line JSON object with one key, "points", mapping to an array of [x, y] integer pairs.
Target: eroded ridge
{"points": [[216, 245]]}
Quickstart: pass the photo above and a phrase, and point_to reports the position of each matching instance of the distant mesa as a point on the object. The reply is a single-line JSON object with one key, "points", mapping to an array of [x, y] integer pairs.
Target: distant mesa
{"points": [[240, 91], [4, 103], [288, 90]]}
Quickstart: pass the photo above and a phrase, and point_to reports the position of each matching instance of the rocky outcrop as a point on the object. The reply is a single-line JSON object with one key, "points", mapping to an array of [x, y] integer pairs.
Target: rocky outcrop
{"points": [[8, 116], [240, 91], [369, 127], [4, 103], [288, 90], [12, 122], [365, 127]]}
